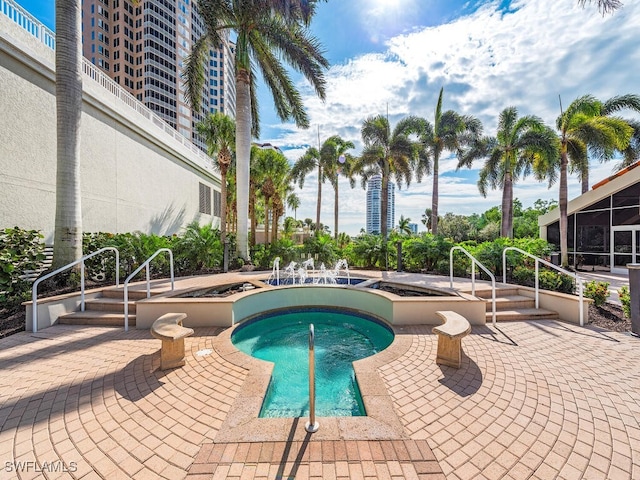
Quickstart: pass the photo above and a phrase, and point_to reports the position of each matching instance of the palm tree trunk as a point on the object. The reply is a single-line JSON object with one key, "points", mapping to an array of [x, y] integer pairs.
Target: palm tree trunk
{"points": [[67, 242], [223, 204], [506, 229], [243, 151], [319, 198], [274, 216], [266, 221], [585, 182], [252, 215], [335, 209], [562, 201], [434, 197]]}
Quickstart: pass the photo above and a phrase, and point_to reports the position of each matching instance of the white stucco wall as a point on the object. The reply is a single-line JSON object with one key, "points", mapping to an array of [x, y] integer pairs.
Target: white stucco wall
{"points": [[134, 174]]}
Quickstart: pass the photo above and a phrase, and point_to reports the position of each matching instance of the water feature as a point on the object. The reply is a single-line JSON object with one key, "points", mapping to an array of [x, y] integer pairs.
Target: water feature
{"points": [[306, 273], [341, 337]]}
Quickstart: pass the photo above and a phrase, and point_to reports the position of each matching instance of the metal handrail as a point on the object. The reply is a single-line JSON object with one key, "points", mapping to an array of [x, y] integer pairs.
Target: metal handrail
{"points": [[538, 260], [135, 272], [312, 426], [475, 261], [34, 290]]}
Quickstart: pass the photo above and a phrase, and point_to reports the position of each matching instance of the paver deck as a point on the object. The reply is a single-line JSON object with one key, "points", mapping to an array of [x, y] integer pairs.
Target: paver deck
{"points": [[536, 400]]}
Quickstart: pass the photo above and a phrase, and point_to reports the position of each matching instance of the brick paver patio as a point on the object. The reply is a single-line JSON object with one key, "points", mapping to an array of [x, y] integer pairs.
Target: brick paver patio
{"points": [[534, 400]]}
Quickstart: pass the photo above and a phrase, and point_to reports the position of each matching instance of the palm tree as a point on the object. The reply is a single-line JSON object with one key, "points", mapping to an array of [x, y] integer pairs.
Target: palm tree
{"points": [[67, 240], [582, 127], [337, 162], [219, 133], [308, 162], [451, 132], [403, 225], [268, 32], [520, 145], [386, 153], [293, 202], [426, 219], [604, 6]]}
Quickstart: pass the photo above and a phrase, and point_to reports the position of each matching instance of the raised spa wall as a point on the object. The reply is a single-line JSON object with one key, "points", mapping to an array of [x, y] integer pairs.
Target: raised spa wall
{"points": [[396, 310]]}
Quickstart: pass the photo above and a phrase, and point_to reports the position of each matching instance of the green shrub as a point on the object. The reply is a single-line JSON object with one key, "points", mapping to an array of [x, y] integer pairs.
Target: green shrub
{"points": [[597, 291], [625, 300], [20, 250], [548, 279]]}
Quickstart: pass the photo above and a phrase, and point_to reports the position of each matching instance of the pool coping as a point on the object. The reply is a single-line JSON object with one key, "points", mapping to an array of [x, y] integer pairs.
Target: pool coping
{"points": [[243, 425]]}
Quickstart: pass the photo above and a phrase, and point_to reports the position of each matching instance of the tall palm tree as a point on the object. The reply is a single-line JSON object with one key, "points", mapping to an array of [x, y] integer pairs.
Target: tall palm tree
{"points": [[450, 132], [293, 202], [581, 127], [337, 162], [520, 145], [219, 133], [307, 163], [387, 153], [268, 32], [67, 239], [426, 219]]}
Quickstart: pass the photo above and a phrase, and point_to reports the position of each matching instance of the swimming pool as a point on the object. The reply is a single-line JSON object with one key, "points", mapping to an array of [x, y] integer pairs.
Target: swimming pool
{"points": [[341, 337]]}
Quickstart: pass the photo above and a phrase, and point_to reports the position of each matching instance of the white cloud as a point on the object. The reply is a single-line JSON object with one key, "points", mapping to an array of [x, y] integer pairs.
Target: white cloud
{"points": [[486, 61]]}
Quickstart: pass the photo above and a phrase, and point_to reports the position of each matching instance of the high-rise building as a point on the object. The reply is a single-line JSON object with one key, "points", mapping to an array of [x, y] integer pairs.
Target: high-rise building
{"points": [[374, 207], [143, 48]]}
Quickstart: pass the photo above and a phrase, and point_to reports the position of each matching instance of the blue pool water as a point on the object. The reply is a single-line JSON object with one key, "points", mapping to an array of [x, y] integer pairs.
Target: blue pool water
{"points": [[340, 338]]}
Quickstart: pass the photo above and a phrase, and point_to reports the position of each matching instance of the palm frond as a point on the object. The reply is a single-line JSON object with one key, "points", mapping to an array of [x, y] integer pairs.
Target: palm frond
{"points": [[194, 71]]}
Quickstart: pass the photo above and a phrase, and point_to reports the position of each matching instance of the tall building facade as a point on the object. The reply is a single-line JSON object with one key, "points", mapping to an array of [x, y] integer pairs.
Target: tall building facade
{"points": [[374, 206], [143, 47]]}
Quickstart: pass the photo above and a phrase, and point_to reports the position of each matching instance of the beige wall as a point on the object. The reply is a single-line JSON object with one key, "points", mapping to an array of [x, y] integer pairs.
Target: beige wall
{"points": [[134, 174]]}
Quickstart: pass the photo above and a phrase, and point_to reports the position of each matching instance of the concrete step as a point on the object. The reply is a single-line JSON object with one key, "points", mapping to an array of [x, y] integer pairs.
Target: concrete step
{"points": [[485, 292], [511, 302], [106, 304], [96, 318], [133, 294], [523, 314]]}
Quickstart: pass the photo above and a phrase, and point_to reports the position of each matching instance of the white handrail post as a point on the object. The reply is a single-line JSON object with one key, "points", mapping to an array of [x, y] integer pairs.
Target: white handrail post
{"points": [[117, 267], [82, 286], [171, 268], [148, 278], [451, 267], [34, 306], [473, 277], [504, 266], [493, 301], [126, 305], [312, 426], [537, 284], [579, 280]]}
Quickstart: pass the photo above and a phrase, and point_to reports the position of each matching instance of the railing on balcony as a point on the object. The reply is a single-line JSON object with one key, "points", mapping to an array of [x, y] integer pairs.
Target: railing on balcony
{"points": [[32, 25]]}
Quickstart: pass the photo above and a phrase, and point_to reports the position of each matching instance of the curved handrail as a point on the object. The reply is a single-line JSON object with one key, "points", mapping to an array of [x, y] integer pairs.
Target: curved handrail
{"points": [[135, 272], [34, 289], [537, 282], [475, 261]]}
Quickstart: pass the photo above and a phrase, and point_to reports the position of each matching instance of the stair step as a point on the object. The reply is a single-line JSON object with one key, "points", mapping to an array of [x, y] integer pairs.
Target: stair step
{"points": [[118, 293], [96, 318], [523, 314], [500, 292], [511, 302], [105, 304]]}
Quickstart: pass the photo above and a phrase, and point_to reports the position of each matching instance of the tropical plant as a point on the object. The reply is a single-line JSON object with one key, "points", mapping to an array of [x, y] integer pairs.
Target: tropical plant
{"points": [[386, 153], [605, 153], [20, 251], [450, 132], [199, 248], [404, 226], [293, 202], [520, 145], [267, 32], [275, 171], [597, 291], [426, 219], [67, 240], [219, 133], [337, 162], [307, 163], [582, 126], [625, 299]]}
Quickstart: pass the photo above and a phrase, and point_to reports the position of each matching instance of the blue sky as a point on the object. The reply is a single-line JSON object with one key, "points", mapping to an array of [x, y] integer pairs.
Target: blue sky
{"points": [[395, 55]]}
